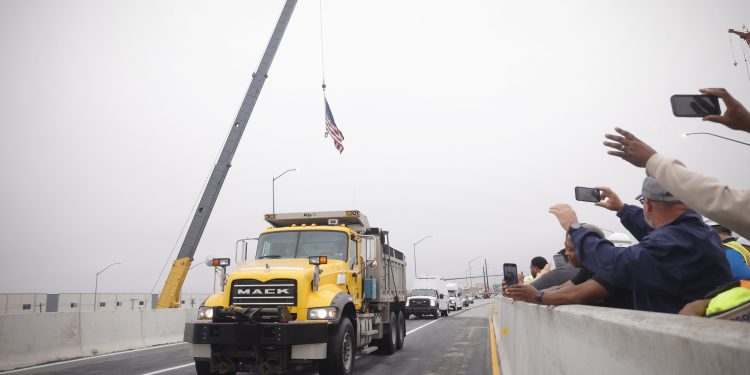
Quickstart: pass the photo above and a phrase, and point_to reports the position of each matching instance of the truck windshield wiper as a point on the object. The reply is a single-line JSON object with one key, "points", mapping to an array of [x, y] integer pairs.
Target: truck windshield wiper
{"points": [[271, 256]]}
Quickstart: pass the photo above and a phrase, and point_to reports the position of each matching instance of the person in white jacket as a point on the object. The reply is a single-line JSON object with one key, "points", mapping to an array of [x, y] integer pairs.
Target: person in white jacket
{"points": [[706, 195]]}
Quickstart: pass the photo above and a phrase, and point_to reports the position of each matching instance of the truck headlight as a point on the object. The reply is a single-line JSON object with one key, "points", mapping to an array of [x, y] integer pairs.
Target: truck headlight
{"points": [[322, 313], [205, 313], [432, 302]]}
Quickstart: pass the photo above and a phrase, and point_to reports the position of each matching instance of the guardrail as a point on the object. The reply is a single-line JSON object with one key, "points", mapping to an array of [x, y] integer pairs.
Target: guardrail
{"points": [[535, 339], [31, 339]]}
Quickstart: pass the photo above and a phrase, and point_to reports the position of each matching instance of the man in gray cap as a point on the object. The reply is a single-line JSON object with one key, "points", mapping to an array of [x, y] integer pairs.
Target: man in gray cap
{"points": [[678, 259]]}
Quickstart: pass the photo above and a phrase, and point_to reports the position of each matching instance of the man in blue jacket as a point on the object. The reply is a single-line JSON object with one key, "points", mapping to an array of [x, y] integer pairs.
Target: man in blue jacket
{"points": [[678, 260]]}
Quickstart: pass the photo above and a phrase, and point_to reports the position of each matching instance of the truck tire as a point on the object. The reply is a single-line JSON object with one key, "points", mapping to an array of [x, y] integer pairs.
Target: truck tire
{"points": [[387, 345], [401, 331], [340, 356], [202, 366]]}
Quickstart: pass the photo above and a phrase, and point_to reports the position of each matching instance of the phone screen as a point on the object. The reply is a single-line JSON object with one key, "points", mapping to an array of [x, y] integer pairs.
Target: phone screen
{"points": [[510, 274], [585, 194], [695, 105], [559, 260]]}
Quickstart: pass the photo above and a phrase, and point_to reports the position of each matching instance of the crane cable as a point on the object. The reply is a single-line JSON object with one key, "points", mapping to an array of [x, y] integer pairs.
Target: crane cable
{"points": [[731, 47]]}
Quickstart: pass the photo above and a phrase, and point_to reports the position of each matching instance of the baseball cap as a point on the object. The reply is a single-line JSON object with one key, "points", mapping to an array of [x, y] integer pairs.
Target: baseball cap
{"points": [[655, 192]]}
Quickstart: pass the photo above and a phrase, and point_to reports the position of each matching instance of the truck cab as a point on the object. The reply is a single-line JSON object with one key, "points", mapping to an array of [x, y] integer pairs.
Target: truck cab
{"points": [[455, 297], [320, 288], [428, 297]]}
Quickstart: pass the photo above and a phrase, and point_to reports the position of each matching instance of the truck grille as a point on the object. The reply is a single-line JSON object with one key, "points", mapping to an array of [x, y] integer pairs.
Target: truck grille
{"points": [[254, 293], [419, 302]]}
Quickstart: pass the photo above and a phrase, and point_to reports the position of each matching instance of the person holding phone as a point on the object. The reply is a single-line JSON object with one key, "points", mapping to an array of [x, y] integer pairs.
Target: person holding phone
{"points": [[678, 259], [706, 195]]}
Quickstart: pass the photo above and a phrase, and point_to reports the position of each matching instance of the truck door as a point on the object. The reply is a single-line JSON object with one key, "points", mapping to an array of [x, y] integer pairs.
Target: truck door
{"points": [[354, 276]]}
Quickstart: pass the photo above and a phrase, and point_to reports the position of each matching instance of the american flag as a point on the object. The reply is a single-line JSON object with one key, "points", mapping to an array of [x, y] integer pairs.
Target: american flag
{"points": [[334, 131]]}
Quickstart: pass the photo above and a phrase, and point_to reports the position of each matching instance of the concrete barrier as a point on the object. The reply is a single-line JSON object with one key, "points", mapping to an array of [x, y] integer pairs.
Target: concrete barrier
{"points": [[31, 339], [534, 339]]}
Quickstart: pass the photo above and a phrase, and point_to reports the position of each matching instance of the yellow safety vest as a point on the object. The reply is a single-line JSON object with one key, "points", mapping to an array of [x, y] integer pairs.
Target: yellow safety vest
{"points": [[736, 246]]}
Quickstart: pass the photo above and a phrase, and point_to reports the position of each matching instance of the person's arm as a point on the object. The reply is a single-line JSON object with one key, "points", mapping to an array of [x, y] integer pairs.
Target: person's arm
{"points": [[632, 219], [696, 308], [740, 270], [704, 194], [633, 267], [566, 284], [585, 293]]}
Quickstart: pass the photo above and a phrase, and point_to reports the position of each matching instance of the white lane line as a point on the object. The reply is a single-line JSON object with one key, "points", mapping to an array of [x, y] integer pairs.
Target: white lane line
{"points": [[89, 358], [169, 369], [422, 326]]}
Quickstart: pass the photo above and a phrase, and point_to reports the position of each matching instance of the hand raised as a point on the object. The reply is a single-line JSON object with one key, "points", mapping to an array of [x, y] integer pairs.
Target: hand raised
{"points": [[564, 214], [629, 148], [610, 200], [735, 117]]}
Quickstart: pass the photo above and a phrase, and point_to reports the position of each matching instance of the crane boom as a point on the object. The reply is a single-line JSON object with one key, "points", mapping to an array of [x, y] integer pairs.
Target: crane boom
{"points": [[170, 294]]}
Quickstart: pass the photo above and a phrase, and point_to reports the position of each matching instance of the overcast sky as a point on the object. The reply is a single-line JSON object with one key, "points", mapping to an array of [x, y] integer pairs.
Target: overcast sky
{"points": [[464, 120]]}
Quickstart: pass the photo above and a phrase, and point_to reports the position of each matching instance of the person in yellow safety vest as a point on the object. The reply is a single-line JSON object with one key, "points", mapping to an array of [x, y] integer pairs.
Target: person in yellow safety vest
{"points": [[732, 302], [737, 256]]}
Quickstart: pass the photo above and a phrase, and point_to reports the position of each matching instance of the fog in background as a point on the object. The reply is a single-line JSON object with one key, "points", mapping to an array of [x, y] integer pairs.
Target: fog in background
{"points": [[463, 120]]}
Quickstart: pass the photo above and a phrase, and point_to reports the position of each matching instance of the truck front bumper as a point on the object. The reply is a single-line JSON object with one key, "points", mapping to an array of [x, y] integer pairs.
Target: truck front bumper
{"points": [[233, 333], [421, 310]]}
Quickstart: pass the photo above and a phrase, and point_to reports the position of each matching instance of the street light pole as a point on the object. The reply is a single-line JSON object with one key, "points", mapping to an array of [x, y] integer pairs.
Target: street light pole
{"points": [[273, 189], [716, 135], [96, 284], [414, 251], [470, 270]]}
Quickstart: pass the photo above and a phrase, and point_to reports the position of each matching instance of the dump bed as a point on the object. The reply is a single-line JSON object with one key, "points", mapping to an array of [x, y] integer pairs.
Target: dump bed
{"points": [[352, 219]]}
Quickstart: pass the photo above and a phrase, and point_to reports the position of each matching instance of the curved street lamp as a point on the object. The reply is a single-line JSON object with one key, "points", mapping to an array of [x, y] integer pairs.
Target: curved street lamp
{"points": [[414, 251], [273, 188], [96, 285], [716, 135]]}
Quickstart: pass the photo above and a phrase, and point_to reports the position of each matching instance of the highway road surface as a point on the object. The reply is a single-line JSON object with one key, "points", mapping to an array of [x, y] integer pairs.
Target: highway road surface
{"points": [[457, 344]]}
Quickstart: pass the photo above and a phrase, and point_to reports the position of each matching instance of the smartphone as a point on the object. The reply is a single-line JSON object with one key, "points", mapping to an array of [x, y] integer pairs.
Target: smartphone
{"points": [[585, 194], [695, 105], [510, 274], [559, 260]]}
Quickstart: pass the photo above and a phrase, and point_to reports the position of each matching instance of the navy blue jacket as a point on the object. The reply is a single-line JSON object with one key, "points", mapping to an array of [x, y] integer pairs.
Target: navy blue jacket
{"points": [[678, 263]]}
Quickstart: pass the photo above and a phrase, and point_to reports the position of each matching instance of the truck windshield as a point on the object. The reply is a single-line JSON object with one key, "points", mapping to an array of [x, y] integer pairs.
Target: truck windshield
{"points": [[423, 292], [302, 244], [451, 293]]}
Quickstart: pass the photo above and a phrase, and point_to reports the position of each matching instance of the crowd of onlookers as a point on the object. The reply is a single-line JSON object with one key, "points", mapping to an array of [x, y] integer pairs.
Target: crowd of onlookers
{"points": [[687, 258]]}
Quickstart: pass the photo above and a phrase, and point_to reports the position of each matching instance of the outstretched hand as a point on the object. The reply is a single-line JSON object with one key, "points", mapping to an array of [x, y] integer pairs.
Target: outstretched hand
{"points": [[735, 117], [610, 200], [629, 148], [526, 293], [564, 214]]}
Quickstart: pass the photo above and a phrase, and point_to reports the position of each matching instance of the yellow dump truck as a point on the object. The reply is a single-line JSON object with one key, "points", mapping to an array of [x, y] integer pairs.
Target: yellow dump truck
{"points": [[321, 288]]}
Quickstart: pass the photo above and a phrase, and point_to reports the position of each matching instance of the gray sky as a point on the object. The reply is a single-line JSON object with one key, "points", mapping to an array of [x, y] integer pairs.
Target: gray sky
{"points": [[463, 120]]}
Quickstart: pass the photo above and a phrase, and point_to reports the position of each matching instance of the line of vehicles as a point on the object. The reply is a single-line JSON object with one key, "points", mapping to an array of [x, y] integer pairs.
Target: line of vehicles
{"points": [[432, 296]]}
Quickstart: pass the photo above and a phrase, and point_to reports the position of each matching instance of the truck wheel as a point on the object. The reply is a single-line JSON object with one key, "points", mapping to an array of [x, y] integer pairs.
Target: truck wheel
{"points": [[387, 344], [340, 357], [202, 366], [401, 331]]}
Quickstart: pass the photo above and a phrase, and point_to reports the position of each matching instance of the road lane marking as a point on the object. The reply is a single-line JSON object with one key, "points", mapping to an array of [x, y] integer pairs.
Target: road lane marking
{"points": [[493, 351], [89, 358], [169, 369], [422, 326]]}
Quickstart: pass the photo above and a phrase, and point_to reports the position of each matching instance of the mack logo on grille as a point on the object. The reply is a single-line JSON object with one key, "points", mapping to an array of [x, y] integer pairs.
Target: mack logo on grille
{"points": [[278, 292], [264, 291]]}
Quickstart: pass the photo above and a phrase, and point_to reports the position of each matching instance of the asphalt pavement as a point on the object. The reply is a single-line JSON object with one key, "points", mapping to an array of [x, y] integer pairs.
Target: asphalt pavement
{"points": [[457, 344]]}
